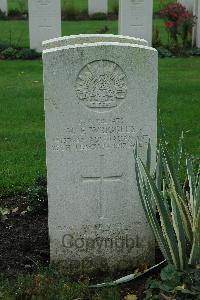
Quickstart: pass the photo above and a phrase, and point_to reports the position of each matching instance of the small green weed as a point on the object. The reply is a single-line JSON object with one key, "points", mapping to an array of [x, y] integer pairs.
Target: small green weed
{"points": [[174, 285], [4, 212], [37, 198]]}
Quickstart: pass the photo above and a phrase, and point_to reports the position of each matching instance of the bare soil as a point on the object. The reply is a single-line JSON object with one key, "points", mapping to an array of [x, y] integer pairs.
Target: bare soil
{"points": [[24, 245]]}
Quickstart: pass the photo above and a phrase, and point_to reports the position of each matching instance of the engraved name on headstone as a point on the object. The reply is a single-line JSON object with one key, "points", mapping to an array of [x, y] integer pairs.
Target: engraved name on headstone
{"points": [[100, 100]]}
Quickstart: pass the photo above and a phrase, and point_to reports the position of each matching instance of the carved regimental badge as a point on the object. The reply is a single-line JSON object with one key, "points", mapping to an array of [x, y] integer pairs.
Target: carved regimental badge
{"points": [[101, 85]]}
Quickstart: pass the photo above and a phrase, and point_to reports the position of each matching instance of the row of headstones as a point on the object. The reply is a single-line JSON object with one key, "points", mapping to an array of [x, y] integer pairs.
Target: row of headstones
{"points": [[45, 19], [135, 18], [94, 6]]}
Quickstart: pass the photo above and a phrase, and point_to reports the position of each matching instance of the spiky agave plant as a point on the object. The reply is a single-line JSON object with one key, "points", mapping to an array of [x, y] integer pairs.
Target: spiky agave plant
{"points": [[172, 212]]}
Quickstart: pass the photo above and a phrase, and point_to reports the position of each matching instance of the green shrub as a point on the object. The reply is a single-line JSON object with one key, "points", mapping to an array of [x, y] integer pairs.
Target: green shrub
{"points": [[20, 11], [2, 15], [84, 12], [37, 198], [115, 7], [98, 16], [9, 53], [196, 51], [174, 285], [22, 4], [15, 13], [69, 11], [4, 212], [3, 46], [27, 53], [179, 23], [177, 230], [163, 52], [156, 38]]}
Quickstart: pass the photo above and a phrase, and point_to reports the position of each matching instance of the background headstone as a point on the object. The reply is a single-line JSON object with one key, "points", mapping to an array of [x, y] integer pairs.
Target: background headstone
{"points": [[97, 6], [194, 7], [91, 38], [100, 99], [197, 32], [4, 6], [136, 18], [44, 21], [189, 4]]}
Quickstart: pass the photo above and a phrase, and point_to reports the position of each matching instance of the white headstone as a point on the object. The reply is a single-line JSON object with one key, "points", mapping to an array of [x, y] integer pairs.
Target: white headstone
{"points": [[189, 4], [135, 18], [100, 98], [97, 6], [194, 7], [197, 9], [4, 6], [44, 21], [91, 38]]}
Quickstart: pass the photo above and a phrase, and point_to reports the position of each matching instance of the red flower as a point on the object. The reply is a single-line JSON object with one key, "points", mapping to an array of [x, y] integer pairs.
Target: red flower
{"points": [[170, 24], [186, 14]]}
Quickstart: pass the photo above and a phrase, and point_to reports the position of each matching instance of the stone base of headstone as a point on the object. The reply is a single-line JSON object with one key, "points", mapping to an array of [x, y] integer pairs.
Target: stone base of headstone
{"points": [[109, 261]]}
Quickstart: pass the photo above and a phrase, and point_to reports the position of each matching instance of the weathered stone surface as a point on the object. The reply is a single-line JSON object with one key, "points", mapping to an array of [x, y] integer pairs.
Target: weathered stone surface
{"points": [[135, 18], [44, 21], [100, 98], [91, 38], [97, 6], [4, 6]]}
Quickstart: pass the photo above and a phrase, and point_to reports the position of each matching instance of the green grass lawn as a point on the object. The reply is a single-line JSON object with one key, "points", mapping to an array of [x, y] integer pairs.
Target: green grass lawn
{"points": [[22, 143], [79, 4], [16, 32]]}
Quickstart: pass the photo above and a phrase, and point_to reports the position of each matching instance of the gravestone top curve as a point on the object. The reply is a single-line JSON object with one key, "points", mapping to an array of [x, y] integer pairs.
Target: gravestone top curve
{"points": [[97, 44], [91, 38]]}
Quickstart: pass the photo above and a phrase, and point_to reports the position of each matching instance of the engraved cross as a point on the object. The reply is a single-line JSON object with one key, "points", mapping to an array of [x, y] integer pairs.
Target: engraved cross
{"points": [[101, 180]]}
